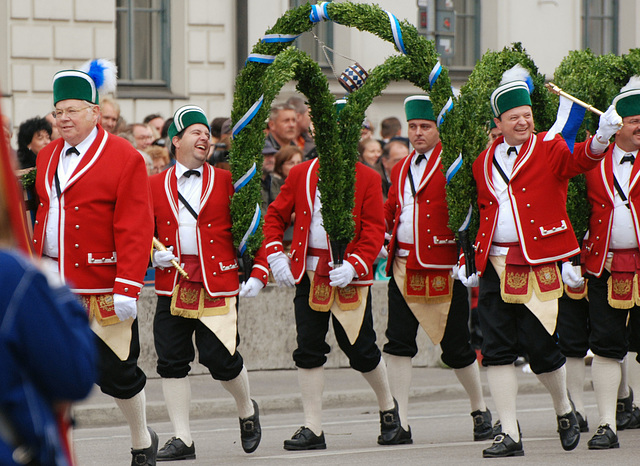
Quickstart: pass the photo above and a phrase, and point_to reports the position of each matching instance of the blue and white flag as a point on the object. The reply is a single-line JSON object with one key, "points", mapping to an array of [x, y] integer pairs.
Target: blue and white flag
{"points": [[568, 121]]}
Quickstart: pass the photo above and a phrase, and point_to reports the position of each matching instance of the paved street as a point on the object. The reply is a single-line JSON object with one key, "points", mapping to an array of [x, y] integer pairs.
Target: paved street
{"points": [[440, 422]]}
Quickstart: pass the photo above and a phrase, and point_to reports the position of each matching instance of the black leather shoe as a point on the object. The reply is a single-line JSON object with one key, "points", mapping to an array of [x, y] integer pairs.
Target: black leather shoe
{"points": [[146, 456], [569, 431], [250, 432], [604, 439], [634, 422], [482, 429], [624, 410], [503, 446], [389, 426], [403, 438], [305, 439], [175, 449], [582, 422]]}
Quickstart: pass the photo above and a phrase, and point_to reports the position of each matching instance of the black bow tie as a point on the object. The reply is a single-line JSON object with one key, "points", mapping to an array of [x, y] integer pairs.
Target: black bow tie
{"points": [[510, 150], [188, 173], [628, 158], [420, 158], [71, 151]]}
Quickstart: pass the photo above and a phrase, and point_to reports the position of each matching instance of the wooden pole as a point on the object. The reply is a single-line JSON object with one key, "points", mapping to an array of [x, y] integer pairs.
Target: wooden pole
{"points": [[161, 247]]}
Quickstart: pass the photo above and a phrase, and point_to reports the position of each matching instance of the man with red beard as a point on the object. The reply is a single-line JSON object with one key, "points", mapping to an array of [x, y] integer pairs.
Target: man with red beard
{"points": [[192, 217]]}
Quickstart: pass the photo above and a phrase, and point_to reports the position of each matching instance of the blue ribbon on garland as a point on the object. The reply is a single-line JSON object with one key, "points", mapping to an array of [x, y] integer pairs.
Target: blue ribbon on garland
{"points": [[467, 220], [435, 73], [251, 231], [244, 179], [319, 13], [453, 169], [397, 32], [270, 38], [260, 58], [446, 109], [247, 117]]}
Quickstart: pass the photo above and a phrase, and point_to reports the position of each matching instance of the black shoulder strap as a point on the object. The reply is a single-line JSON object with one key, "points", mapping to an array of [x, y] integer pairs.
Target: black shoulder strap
{"points": [[503, 175], [620, 192], [187, 205]]}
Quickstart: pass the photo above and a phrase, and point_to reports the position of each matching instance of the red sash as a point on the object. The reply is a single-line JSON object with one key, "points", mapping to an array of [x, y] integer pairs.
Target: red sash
{"points": [[623, 282], [520, 279], [190, 299], [322, 294]]}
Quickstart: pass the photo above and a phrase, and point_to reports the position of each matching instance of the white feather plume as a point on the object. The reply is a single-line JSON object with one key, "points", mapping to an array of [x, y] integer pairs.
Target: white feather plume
{"points": [[104, 73], [517, 73], [633, 84]]}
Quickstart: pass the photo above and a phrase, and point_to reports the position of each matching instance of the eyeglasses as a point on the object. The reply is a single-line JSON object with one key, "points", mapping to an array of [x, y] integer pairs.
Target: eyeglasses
{"points": [[70, 112]]}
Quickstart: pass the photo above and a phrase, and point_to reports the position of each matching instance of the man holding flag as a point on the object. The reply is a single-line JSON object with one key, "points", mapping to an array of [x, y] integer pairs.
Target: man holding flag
{"points": [[611, 260]]}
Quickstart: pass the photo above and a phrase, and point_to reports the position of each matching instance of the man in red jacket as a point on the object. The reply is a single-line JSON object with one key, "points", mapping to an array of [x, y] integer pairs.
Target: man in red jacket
{"points": [[342, 293], [612, 262], [422, 252], [524, 230], [192, 217], [94, 226]]}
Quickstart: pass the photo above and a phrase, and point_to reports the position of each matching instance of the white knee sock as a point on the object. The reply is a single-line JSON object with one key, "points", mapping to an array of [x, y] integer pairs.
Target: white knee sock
{"points": [[134, 411], [311, 387], [379, 381], [575, 383], [633, 373], [503, 383], [469, 377], [239, 388], [399, 372], [177, 397], [606, 375], [556, 383], [623, 388]]}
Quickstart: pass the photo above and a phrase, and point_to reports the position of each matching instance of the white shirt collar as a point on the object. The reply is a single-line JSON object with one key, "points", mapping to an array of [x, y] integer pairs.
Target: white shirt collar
{"points": [[84, 146], [180, 169]]}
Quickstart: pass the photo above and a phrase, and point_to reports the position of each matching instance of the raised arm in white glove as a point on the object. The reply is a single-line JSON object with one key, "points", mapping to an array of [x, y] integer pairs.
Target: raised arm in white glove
{"points": [[125, 306], [250, 288], [342, 276], [281, 268], [571, 275], [163, 258], [610, 123], [469, 281]]}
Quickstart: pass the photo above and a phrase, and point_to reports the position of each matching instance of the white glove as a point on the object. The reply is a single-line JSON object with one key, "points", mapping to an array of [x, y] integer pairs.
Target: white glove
{"points": [[163, 258], [610, 123], [281, 268], [383, 254], [342, 275], [572, 275], [250, 288], [125, 306], [470, 281]]}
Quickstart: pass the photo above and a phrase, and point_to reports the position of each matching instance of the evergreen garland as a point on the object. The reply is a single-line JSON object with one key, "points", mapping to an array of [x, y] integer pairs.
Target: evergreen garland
{"points": [[336, 140]]}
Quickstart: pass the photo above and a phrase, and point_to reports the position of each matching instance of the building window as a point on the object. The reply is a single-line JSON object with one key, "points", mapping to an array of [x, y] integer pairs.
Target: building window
{"points": [[600, 26], [142, 42], [308, 43], [455, 28]]}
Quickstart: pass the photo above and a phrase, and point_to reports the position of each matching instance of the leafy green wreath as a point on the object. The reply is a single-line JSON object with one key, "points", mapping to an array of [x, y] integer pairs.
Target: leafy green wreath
{"points": [[273, 62]]}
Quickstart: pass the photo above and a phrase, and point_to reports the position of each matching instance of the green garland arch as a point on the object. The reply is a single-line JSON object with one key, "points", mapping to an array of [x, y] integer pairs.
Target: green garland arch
{"points": [[336, 140]]}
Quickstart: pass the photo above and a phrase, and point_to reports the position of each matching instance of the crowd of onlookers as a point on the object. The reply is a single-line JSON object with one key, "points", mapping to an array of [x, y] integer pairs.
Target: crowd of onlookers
{"points": [[288, 141]]}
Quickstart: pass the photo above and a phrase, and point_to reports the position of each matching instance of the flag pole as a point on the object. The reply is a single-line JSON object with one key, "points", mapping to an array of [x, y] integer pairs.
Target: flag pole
{"points": [[556, 90]]}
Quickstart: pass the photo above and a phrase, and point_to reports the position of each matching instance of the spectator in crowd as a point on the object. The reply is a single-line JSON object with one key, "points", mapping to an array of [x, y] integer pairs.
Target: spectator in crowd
{"points": [[304, 139], [391, 129], [142, 135], [366, 131], [283, 129], [286, 158], [220, 153], [392, 153], [159, 157], [33, 135], [216, 128], [369, 151], [110, 115], [55, 134], [156, 122]]}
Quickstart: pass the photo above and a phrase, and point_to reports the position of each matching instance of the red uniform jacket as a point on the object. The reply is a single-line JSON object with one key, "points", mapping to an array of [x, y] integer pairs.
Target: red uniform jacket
{"points": [[297, 196], [214, 238], [600, 192], [105, 216], [538, 194], [434, 243]]}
